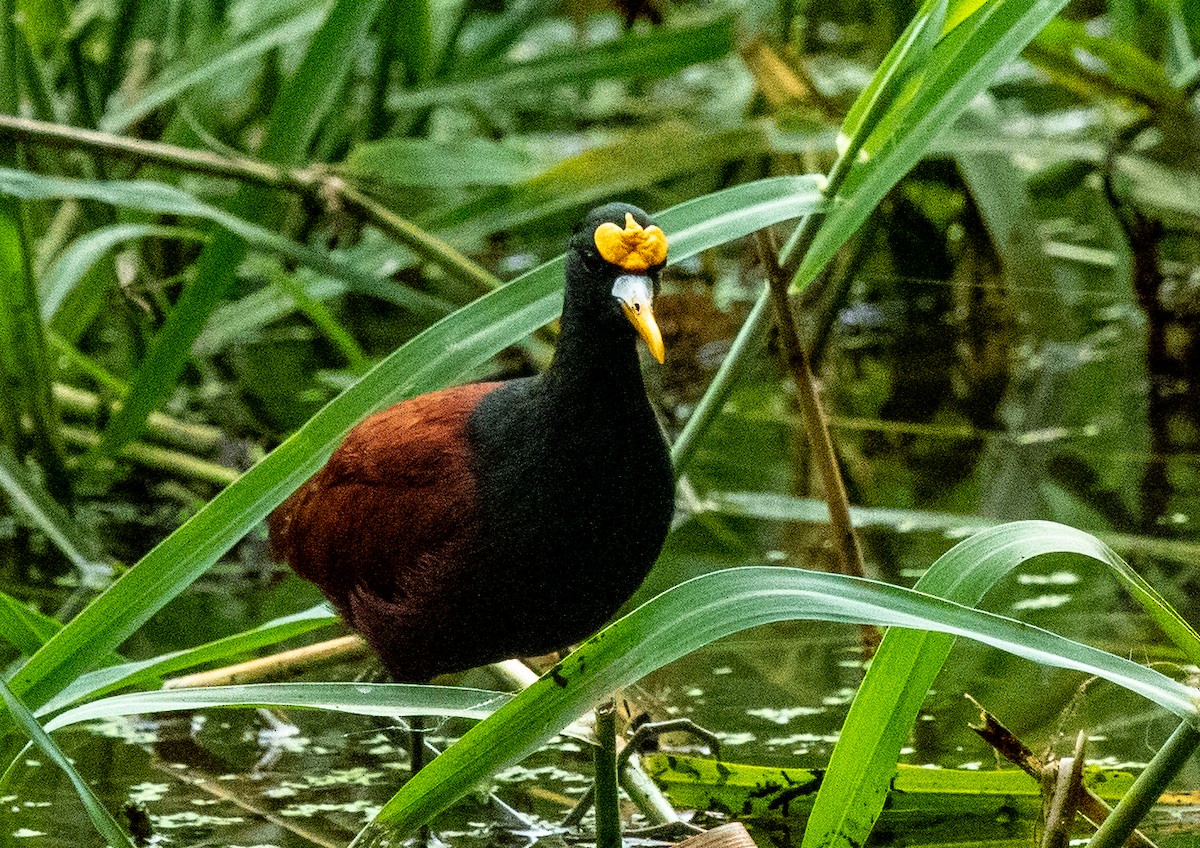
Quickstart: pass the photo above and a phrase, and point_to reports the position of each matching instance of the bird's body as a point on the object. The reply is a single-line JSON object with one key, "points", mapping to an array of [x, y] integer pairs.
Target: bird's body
{"points": [[496, 520]]}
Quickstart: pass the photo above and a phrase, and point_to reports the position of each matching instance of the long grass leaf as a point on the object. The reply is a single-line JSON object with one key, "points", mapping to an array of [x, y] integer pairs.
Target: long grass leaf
{"points": [[71, 266], [369, 699], [24, 365], [302, 104], [101, 818], [319, 83], [26, 629], [110, 678], [704, 609], [321, 317], [899, 65], [452, 164], [180, 78], [662, 152], [432, 359], [958, 67], [163, 199], [658, 53], [23, 492]]}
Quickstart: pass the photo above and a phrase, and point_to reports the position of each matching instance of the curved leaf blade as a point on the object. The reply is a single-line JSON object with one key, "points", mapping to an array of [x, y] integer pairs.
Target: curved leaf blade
{"points": [[84, 550], [658, 53], [73, 264], [980, 38], [367, 699], [25, 628], [101, 818], [177, 81], [110, 678], [163, 199], [886, 706], [707, 608]]}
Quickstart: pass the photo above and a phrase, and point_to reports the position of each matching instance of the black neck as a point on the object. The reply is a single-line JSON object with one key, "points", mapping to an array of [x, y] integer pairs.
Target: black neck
{"points": [[591, 350], [597, 347]]}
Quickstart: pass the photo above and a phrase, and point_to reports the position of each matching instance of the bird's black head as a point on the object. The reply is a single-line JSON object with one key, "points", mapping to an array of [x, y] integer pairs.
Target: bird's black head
{"points": [[616, 256]]}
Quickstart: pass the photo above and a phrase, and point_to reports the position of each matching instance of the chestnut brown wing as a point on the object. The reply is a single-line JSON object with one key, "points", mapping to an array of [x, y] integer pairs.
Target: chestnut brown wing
{"points": [[391, 513]]}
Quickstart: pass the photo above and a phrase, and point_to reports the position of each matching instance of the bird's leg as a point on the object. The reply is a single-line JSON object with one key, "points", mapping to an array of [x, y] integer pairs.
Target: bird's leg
{"points": [[416, 736], [416, 754], [636, 783], [608, 816]]}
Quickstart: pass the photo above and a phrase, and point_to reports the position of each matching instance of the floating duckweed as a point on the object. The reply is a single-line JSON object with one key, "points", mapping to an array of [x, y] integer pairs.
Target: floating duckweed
{"points": [[798, 738], [839, 698], [733, 739], [284, 791], [148, 793], [523, 774], [784, 715], [187, 818], [134, 732], [368, 809]]}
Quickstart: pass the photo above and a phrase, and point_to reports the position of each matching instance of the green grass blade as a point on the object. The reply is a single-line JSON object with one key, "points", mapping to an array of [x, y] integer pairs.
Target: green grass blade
{"points": [[322, 318], [23, 492], [43, 22], [772, 506], [241, 319], [433, 359], [958, 67], [11, 41], [159, 371], [163, 199], [71, 266], [319, 83], [24, 364], [707, 608], [900, 122], [178, 79], [101, 818], [898, 66], [1127, 70], [369, 699], [663, 152], [305, 100], [454, 164], [104, 680], [414, 28], [658, 53], [27, 629], [500, 33], [903, 669]]}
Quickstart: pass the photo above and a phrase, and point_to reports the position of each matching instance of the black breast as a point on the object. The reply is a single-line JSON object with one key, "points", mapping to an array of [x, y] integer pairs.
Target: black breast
{"points": [[575, 497]]}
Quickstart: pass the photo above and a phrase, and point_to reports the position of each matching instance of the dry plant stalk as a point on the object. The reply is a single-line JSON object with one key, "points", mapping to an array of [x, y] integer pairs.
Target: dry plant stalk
{"points": [[845, 539], [1015, 751]]}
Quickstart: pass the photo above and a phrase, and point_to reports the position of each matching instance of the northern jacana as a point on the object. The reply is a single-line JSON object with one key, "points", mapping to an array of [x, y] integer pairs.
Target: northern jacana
{"points": [[503, 519]]}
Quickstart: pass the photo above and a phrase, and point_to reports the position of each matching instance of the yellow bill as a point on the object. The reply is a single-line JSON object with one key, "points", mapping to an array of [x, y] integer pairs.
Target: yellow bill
{"points": [[635, 292]]}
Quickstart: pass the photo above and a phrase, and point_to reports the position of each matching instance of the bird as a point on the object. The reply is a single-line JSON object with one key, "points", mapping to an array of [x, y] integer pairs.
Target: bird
{"points": [[504, 519]]}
